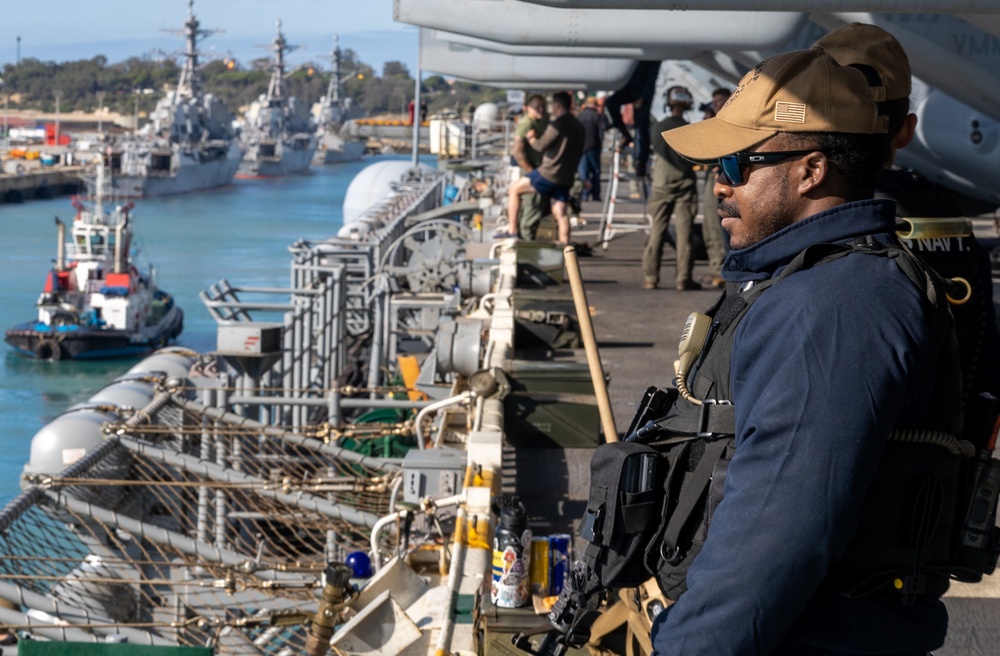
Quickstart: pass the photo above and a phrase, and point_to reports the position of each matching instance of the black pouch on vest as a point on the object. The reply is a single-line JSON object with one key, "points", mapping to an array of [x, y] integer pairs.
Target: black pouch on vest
{"points": [[624, 511], [694, 489]]}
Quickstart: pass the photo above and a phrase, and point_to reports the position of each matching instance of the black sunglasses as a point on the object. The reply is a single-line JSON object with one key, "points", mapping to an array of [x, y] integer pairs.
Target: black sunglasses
{"points": [[731, 166]]}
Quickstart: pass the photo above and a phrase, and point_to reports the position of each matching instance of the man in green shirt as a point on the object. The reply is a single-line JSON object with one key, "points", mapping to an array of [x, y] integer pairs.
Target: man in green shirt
{"points": [[534, 206], [561, 146], [674, 192], [711, 227]]}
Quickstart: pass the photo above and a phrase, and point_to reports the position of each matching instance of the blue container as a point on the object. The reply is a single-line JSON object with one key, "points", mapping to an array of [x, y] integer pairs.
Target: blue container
{"points": [[559, 560], [360, 564]]}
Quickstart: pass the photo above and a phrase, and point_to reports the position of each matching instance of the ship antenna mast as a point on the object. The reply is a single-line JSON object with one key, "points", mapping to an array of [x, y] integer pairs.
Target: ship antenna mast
{"points": [[189, 84], [333, 92], [99, 188], [275, 90]]}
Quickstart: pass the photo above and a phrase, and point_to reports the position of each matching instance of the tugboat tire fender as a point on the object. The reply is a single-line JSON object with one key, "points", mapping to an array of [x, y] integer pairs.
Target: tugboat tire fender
{"points": [[48, 349]]}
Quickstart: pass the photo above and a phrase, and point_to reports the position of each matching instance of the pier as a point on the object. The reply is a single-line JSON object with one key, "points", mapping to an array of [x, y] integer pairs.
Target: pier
{"points": [[41, 183], [386, 134]]}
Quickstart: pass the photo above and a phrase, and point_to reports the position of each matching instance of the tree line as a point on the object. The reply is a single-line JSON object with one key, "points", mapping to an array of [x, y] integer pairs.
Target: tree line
{"points": [[83, 84]]}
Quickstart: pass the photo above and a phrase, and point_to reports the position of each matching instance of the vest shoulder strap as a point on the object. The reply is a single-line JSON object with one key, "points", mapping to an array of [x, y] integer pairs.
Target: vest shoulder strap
{"points": [[712, 379]]}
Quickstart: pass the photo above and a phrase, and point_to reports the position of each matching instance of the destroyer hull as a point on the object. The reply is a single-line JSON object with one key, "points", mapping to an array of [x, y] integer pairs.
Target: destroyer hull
{"points": [[85, 343], [351, 151], [334, 149], [290, 163], [192, 175]]}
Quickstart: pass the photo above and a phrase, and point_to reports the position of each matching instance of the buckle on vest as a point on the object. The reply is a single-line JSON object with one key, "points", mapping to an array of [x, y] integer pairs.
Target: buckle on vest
{"points": [[703, 413], [590, 530], [913, 584], [672, 559]]}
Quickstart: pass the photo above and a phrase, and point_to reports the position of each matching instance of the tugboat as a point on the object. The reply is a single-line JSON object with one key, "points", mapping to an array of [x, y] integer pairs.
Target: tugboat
{"points": [[96, 303], [278, 136]]}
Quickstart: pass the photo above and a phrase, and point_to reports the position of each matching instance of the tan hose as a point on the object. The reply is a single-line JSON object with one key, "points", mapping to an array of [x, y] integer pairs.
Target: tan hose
{"points": [[590, 345], [934, 228]]}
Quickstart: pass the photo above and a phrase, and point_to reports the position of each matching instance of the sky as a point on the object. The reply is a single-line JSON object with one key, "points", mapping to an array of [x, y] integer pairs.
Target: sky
{"points": [[68, 30]]}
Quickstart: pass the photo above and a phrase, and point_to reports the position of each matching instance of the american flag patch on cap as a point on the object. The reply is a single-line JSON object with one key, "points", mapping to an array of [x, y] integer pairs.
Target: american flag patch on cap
{"points": [[787, 112]]}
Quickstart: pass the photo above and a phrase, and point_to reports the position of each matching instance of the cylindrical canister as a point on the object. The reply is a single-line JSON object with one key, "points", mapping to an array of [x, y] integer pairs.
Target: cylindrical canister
{"points": [[540, 566], [511, 555], [559, 560]]}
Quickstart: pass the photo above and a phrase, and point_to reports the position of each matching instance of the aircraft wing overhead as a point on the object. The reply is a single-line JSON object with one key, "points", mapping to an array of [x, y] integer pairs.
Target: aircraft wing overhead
{"points": [[908, 6], [953, 45], [499, 69], [625, 51], [516, 22]]}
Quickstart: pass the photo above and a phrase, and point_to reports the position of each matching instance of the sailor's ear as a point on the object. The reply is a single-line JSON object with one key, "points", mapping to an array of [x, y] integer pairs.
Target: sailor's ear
{"points": [[810, 171], [905, 134]]}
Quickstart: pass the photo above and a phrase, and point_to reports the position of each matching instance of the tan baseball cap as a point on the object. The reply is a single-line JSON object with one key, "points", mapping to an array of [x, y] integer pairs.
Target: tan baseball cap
{"points": [[870, 45], [800, 91]]}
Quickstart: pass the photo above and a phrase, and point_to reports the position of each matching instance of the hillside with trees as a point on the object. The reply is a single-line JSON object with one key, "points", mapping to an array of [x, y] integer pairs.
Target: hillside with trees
{"points": [[81, 85]]}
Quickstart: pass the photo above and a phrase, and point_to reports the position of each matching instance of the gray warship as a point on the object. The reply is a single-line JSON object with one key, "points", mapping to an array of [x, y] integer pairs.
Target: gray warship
{"points": [[330, 113], [278, 133], [188, 145]]}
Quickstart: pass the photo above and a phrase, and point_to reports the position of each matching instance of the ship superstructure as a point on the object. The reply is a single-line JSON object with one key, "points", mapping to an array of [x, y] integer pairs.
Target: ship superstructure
{"points": [[278, 135], [189, 143], [331, 112]]}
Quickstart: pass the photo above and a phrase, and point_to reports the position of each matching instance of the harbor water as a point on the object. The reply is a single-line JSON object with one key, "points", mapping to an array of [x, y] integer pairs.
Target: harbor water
{"points": [[241, 233]]}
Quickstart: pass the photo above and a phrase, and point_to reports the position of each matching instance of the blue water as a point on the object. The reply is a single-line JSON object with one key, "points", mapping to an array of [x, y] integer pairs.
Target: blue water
{"points": [[241, 233]]}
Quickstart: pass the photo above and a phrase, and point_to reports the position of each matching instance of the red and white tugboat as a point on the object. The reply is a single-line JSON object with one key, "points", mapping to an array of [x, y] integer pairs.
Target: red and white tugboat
{"points": [[96, 303]]}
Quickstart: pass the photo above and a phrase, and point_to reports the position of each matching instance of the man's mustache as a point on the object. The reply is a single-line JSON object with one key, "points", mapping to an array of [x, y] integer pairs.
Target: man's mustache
{"points": [[728, 208]]}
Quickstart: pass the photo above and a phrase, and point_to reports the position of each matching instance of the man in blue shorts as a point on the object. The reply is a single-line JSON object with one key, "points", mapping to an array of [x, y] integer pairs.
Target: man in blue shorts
{"points": [[561, 146]]}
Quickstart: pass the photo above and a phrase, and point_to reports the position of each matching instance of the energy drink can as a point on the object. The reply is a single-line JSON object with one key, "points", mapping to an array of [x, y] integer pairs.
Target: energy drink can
{"points": [[541, 570], [559, 558]]}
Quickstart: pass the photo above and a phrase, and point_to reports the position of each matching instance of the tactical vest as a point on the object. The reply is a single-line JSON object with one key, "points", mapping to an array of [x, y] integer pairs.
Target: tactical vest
{"points": [[914, 529]]}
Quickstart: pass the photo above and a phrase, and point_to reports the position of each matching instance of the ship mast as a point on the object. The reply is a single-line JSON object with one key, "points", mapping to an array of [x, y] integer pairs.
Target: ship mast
{"points": [[99, 188], [275, 90], [189, 85], [333, 91], [333, 108]]}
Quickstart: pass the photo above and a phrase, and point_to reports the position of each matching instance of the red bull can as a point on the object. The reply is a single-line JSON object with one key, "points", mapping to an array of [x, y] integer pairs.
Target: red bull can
{"points": [[541, 570], [559, 558]]}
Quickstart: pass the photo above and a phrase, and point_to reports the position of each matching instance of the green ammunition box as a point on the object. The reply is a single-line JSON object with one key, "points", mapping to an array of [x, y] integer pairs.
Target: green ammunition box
{"points": [[539, 263], [551, 404], [545, 319]]}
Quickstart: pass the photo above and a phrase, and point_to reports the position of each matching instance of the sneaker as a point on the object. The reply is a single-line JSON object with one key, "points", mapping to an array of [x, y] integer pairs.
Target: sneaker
{"points": [[507, 235], [649, 285], [688, 286], [718, 282]]}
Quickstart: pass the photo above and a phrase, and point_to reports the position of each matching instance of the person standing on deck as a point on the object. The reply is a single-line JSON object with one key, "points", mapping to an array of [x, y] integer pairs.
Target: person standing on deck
{"points": [[674, 193], [561, 145], [817, 364], [594, 125]]}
